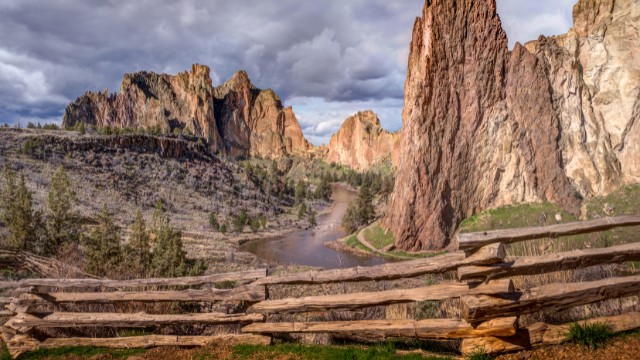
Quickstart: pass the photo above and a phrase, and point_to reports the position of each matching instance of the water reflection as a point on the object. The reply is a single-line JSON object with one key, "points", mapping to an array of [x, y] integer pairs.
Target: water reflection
{"points": [[307, 247]]}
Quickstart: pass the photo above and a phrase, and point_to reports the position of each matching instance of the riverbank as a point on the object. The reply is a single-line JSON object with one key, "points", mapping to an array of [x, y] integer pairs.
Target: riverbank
{"points": [[307, 247]]}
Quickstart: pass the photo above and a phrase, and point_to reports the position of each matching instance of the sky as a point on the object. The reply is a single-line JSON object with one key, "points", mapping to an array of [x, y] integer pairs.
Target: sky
{"points": [[328, 59]]}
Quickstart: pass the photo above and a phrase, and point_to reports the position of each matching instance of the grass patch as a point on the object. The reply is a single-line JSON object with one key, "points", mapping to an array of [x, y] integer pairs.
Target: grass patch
{"points": [[624, 201], [516, 216], [381, 352], [353, 242], [478, 354], [4, 353], [82, 352], [378, 237], [418, 255], [594, 335]]}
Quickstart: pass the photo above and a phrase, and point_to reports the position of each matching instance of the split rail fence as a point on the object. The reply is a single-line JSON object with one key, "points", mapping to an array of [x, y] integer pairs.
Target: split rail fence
{"points": [[491, 305]]}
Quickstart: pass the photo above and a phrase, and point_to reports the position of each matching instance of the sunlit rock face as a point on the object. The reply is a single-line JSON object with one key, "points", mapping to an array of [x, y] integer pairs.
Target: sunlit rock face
{"points": [[361, 142], [555, 120], [237, 119]]}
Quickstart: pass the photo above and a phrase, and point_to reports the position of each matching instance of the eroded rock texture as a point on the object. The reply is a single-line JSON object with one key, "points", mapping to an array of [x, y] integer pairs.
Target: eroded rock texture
{"points": [[236, 118], [361, 142], [484, 127]]}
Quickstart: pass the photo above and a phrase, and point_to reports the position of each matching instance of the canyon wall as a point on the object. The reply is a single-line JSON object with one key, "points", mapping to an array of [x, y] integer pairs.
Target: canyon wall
{"points": [[361, 142], [484, 126], [236, 118]]}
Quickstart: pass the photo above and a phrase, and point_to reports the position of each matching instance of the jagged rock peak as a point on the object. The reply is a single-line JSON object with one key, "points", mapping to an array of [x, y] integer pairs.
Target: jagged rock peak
{"points": [[361, 142], [479, 127], [236, 118]]}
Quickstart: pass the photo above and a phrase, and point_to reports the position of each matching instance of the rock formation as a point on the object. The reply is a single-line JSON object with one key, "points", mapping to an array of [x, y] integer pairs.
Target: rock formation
{"points": [[484, 127], [235, 118], [361, 142]]}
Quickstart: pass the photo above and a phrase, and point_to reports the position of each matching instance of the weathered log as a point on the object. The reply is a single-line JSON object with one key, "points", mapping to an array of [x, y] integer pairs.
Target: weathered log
{"points": [[120, 284], [5, 314], [19, 344], [541, 334], [22, 343], [392, 271], [360, 300], [243, 293], [72, 320], [509, 236], [12, 259], [576, 259], [553, 297], [383, 329]]}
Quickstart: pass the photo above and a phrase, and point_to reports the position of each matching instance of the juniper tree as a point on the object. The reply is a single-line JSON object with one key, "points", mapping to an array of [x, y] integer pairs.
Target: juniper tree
{"points": [[138, 251], [62, 222], [312, 218], [23, 222], [302, 210], [102, 249], [301, 191], [169, 258]]}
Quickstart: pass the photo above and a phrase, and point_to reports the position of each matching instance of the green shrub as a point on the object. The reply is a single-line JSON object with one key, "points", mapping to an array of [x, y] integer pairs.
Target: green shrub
{"points": [[254, 225], [478, 354], [213, 222], [240, 221], [302, 211], [593, 335]]}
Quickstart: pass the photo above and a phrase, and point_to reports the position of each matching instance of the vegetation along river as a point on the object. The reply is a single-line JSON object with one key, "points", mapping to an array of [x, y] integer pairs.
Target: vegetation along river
{"points": [[307, 247]]}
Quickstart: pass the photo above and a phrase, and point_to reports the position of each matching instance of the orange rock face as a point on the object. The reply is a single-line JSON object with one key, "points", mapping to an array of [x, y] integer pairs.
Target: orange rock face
{"points": [[236, 118], [361, 142], [479, 127]]}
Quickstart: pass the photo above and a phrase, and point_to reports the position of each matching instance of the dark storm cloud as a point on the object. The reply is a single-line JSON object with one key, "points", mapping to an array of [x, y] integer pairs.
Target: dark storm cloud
{"points": [[318, 55]]}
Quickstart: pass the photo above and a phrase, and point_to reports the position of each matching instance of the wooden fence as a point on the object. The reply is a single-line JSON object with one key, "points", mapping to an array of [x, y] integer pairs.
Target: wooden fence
{"points": [[491, 305]]}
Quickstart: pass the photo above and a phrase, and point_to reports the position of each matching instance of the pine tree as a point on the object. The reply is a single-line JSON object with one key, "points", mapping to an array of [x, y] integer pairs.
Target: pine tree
{"points": [[169, 258], [312, 218], [301, 191], [241, 221], [302, 210], [361, 211], [8, 191], [138, 250], [323, 191], [102, 249], [23, 221], [62, 222]]}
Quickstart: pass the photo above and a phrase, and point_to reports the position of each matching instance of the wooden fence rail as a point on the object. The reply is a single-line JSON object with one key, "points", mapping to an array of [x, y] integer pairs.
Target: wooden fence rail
{"points": [[553, 297], [508, 236], [384, 329], [361, 300], [577, 259], [490, 304], [120, 284]]}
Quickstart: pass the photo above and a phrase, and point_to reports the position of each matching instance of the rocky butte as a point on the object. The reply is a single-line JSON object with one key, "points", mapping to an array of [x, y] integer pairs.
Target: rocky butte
{"points": [[361, 142], [555, 120], [237, 119]]}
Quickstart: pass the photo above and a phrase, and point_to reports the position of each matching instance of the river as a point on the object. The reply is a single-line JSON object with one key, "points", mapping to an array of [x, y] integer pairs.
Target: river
{"points": [[307, 247]]}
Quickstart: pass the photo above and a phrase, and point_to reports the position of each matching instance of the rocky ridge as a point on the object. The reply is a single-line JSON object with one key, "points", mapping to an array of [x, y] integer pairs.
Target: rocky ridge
{"points": [[361, 142], [555, 120], [237, 119]]}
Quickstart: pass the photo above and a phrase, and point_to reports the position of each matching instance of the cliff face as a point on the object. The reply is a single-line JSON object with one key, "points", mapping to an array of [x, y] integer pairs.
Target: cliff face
{"points": [[594, 76], [361, 142], [235, 118], [485, 127]]}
